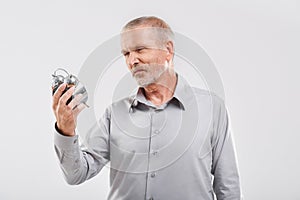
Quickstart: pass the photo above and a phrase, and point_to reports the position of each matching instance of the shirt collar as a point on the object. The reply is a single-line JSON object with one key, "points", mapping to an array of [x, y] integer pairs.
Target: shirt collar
{"points": [[183, 92]]}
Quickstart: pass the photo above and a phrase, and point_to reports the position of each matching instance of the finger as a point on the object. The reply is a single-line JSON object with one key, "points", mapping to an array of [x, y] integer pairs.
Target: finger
{"points": [[75, 101], [78, 109], [67, 95], [57, 95]]}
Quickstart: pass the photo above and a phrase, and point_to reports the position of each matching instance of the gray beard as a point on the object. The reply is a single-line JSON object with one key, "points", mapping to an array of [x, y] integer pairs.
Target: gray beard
{"points": [[147, 80]]}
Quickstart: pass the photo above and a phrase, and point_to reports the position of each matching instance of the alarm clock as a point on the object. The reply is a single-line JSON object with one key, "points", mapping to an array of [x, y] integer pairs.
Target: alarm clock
{"points": [[61, 76]]}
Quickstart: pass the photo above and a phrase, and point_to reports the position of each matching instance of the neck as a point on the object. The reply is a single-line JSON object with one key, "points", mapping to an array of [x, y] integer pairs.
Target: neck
{"points": [[163, 89]]}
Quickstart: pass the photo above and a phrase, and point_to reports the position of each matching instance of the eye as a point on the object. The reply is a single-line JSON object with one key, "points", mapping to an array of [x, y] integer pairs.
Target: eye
{"points": [[140, 49], [125, 53]]}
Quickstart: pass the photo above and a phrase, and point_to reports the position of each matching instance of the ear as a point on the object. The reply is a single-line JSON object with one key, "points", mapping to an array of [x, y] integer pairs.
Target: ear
{"points": [[170, 50]]}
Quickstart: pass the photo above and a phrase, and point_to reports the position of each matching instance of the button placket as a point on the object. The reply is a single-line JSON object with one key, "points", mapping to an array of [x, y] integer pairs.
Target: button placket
{"points": [[149, 175], [153, 153]]}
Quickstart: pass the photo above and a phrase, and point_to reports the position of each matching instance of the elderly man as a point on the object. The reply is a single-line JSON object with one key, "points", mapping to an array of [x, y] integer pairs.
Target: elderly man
{"points": [[168, 141]]}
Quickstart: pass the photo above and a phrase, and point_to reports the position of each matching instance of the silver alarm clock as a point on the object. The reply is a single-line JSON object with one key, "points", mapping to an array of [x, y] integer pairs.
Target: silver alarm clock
{"points": [[61, 76]]}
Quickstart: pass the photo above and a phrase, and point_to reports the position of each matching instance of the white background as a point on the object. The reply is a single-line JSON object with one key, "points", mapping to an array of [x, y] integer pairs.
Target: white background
{"points": [[253, 43]]}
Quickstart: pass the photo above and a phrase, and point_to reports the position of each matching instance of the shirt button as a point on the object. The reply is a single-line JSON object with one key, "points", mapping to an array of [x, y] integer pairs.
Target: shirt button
{"points": [[153, 175], [154, 153], [151, 198], [156, 131]]}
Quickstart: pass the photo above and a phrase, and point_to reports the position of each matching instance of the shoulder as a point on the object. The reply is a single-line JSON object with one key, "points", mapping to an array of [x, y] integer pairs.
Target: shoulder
{"points": [[120, 105], [208, 96]]}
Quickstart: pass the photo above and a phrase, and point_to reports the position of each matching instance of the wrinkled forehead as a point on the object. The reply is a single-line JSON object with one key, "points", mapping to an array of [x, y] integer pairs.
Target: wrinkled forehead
{"points": [[150, 37]]}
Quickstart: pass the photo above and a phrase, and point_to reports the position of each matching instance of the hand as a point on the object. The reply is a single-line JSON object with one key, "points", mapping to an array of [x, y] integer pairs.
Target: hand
{"points": [[66, 115]]}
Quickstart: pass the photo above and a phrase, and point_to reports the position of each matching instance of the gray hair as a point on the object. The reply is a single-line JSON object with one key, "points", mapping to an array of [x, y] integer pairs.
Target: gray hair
{"points": [[152, 22]]}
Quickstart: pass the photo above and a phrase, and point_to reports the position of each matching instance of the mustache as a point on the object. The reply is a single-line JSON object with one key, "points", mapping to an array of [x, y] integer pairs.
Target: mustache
{"points": [[145, 67], [137, 68]]}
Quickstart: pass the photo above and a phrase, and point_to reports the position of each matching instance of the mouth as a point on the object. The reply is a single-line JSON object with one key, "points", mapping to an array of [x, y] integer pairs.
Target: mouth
{"points": [[138, 71]]}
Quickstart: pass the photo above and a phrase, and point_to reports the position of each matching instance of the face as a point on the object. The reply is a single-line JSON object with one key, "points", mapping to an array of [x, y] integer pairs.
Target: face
{"points": [[146, 57]]}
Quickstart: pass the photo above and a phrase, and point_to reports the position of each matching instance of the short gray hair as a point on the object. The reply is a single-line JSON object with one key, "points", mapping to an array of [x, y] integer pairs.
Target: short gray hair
{"points": [[151, 21]]}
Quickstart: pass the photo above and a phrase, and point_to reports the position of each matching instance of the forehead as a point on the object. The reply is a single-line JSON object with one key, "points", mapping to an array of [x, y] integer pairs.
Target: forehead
{"points": [[141, 36]]}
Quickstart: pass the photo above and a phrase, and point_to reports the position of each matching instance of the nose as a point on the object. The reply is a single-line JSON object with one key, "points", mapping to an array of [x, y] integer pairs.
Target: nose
{"points": [[132, 59]]}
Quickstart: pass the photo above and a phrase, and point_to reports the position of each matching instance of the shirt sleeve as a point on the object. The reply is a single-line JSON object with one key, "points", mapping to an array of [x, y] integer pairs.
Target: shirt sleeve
{"points": [[226, 182], [82, 162]]}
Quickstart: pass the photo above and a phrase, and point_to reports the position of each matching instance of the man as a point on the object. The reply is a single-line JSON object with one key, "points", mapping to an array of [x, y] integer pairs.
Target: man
{"points": [[168, 141]]}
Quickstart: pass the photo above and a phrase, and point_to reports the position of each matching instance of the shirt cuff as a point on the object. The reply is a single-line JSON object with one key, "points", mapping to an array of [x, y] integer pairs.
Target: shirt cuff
{"points": [[65, 142]]}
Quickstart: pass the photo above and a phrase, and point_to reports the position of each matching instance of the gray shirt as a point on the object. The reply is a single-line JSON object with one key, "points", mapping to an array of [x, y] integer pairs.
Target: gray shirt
{"points": [[180, 150]]}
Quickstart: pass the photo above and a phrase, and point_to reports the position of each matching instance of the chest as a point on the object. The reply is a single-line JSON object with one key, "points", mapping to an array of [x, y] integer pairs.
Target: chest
{"points": [[149, 140]]}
